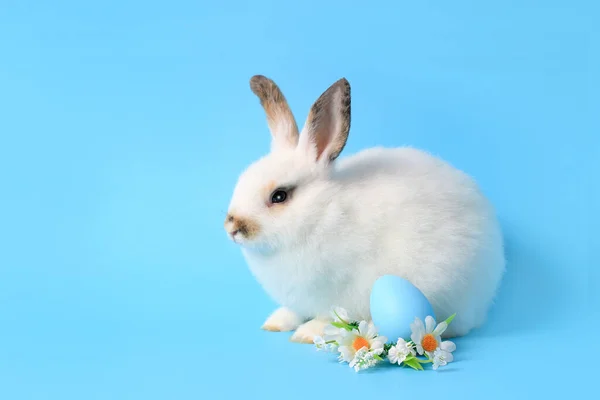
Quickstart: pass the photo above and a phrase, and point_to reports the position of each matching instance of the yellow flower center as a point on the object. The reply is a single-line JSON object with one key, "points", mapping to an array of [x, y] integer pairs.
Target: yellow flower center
{"points": [[359, 343], [429, 343]]}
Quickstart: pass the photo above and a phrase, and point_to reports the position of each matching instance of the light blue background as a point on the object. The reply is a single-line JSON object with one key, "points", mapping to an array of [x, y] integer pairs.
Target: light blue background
{"points": [[124, 126]]}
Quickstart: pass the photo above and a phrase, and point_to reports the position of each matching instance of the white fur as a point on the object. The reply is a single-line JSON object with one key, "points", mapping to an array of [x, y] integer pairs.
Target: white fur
{"points": [[382, 211]]}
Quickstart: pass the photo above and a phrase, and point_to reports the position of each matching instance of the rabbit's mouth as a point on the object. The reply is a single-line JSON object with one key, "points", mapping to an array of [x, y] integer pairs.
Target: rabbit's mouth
{"points": [[236, 236], [240, 229]]}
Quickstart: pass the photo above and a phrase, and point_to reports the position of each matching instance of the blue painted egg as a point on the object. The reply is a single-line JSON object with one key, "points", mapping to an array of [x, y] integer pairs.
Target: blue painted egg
{"points": [[395, 302]]}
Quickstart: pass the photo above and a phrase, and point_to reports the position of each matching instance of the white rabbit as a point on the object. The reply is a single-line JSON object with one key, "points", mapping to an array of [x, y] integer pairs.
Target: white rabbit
{"points": [[317, 232]]}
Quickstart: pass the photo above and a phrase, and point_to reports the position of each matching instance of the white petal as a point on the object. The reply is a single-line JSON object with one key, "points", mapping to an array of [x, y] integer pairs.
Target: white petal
{"points": [[415, 338], [377, 346], [410, 348], [363, 328], [380, 339], [341, 313], [372, 331], [420, 349], [448, 357], [429, 324], [333, 316], [441, 328], [331, 330], [347, 353], [448, 346], [329, 336], [393, 354], [347, 337], [417, 326]]}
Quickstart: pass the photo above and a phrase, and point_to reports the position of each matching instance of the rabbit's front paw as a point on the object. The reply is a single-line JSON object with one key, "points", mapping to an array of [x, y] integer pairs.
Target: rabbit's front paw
{"points": [[282, 320], [307, 331]]}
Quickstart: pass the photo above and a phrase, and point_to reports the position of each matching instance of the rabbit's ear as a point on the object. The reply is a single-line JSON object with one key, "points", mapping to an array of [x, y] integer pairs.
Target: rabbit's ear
{"points": [[326, 129], [279, 116]]}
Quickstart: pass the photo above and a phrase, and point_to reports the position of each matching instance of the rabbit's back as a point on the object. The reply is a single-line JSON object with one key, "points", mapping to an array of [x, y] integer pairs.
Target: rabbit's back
{"points": [[427, 222]]}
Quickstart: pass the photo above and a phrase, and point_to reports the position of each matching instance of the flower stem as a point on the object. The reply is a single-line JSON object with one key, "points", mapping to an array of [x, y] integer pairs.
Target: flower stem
{"points": [[340, 318]]}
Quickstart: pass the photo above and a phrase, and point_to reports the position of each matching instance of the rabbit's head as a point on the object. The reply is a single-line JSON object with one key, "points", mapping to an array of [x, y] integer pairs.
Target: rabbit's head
{"points": [[281, 198]]}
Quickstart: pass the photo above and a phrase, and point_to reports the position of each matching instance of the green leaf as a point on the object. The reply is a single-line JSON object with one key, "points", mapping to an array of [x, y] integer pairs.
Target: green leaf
{"points": [[407, 364], [450, 318], [414, 364], [342, 325], [420, 366]]}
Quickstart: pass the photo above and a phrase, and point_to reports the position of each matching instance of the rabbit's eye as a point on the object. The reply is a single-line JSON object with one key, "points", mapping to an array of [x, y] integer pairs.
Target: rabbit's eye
{"points": [[279, 196]]}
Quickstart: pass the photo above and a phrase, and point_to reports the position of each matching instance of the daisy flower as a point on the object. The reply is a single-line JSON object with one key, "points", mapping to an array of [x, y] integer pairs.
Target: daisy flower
{"points": [[443, 354], [427, 338], [366, 337], [398, 353]]}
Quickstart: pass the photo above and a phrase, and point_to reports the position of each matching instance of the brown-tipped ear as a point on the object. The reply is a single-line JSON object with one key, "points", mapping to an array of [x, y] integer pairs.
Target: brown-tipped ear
{"points": [[328, 122], [282, 123]]}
